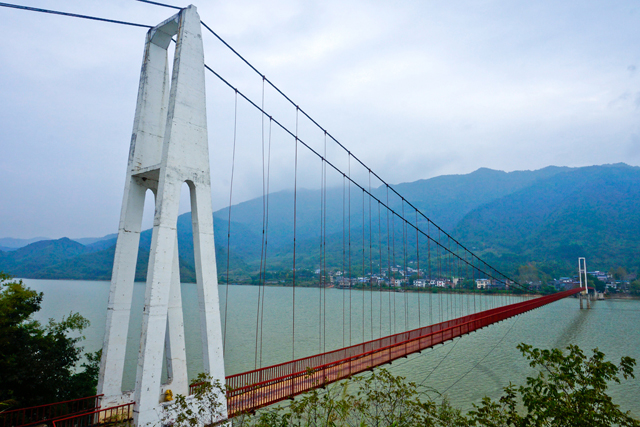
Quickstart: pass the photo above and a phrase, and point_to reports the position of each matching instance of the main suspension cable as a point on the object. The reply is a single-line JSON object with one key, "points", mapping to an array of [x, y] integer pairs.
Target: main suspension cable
{"points": [[73, 15], [161, 4], [243, 59], [359, 186]]}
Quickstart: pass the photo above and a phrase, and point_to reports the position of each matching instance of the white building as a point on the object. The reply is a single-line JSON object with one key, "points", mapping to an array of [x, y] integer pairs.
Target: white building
{"points": [[483, 283]]}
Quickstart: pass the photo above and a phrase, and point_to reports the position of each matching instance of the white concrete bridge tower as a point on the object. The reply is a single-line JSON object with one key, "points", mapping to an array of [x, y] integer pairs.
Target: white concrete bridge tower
{"points": [[582, 273], [169, 146]]}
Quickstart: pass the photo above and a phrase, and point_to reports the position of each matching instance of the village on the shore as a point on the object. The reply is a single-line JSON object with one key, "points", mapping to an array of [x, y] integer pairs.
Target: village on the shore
{"points": [[398, 278]]}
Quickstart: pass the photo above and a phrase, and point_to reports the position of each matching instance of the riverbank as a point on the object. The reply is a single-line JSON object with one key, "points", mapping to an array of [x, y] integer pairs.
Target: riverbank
{"points": [[621, 296]]}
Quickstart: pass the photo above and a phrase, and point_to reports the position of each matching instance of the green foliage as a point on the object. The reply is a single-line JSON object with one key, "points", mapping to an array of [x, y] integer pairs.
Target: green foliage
{"points": [[37, 362], [468, 284], [205, 407], [548, 289], [619, 273], [596, 283], [569, 390], [529, 273], [380, 399]]}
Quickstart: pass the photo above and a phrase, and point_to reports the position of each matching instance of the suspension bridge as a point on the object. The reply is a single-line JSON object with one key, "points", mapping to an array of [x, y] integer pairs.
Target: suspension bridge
{"points": [[367, 238]]}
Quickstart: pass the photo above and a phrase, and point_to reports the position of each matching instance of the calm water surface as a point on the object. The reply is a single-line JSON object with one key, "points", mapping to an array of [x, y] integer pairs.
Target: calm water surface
{"points": [[465, 369]]}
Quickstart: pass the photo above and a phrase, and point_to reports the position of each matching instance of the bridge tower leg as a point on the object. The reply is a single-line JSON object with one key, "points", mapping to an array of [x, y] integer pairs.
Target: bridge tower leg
{"points": [[169, 146], [582, 273]]}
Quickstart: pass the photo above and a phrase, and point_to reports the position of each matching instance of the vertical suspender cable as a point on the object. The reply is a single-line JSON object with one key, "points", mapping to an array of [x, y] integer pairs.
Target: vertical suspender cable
{"points": [[264, 214], [439, 273], [466, 277], [233, 165], [460, 295], [349, 247], [324, 249], [363, 272], [394, 265], [404, 266], [450, 296], [447, 267], [452, 271], [429, 271], [266, 236], [321, 278], [474, 285], [295, 217], [344, 242], [380, 265], [389, 278], [418, 268], [370, 259]]}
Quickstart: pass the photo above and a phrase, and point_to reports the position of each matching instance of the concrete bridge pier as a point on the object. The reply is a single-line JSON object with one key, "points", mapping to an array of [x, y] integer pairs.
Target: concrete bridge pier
{"points": [[580, 297]]}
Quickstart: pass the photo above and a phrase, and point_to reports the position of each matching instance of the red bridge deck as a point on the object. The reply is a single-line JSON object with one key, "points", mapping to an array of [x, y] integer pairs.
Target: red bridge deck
{"points": [[261, 387], [251, 390]]}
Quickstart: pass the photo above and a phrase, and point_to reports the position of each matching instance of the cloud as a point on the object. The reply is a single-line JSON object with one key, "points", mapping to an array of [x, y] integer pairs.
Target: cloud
{"points": [[634, 146], [415, 89], [621, 100]]}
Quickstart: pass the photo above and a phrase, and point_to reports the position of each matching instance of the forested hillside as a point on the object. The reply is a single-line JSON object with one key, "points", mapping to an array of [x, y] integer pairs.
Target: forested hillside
{"points": [[548, 217], [592, 212]]}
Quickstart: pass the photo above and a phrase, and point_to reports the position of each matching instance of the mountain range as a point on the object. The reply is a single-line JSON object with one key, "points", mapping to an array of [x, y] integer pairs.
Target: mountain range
{"points": [[548, 217]]}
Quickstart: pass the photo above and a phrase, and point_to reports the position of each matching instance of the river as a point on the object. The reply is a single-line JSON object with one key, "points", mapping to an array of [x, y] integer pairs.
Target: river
{"points": [[465, 369]]}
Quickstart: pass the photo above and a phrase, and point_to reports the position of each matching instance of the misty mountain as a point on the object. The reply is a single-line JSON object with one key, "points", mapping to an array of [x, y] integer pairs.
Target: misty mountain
{"points": [[549, 216], [9, 243], [93, 240]]}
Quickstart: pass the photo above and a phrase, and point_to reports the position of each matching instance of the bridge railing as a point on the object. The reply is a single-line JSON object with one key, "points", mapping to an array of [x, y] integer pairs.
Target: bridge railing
{"points": [[47, 413], [254, 389], [114, 416]]}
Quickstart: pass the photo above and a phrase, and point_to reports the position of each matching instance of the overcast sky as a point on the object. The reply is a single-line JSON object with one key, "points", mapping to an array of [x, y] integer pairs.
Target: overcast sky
{"points": [[415, 89]]}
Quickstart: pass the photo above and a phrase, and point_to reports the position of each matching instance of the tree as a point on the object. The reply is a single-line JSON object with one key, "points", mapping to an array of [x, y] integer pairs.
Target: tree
{"points": [[548, 289], [467, 284], [204, 408], [380, 399], [634, 287], [528, 273], [37, 363], [569, 390], [531, 273], [618, 273], [596, 283]]}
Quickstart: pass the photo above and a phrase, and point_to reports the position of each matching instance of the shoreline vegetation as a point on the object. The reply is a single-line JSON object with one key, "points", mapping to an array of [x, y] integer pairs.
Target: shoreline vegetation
{"points": [[412, 289]]}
